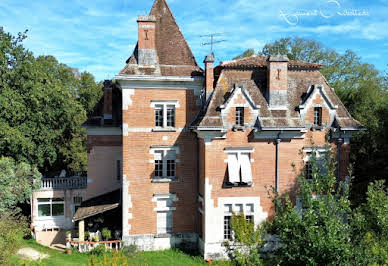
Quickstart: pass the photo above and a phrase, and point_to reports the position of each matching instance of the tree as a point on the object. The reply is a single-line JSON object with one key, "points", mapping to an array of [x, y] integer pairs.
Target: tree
{"points": [[43, 107], [246, 53], [369, 223], [315, 232], [364, 92], [17, 182]]}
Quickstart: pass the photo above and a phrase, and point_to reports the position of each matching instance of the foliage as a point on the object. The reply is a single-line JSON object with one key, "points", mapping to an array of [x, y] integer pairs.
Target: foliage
{"points": [[369, 225], [17, 182], [245, 248], [129, 251], [246, 53], [11, 229], [99, 250], [43, 106], [364, 92], [106, 233], [316, 232]]}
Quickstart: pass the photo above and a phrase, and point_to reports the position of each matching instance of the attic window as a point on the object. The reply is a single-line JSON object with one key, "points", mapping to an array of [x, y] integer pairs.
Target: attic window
{"points": [[239, 116], [317, 116]]}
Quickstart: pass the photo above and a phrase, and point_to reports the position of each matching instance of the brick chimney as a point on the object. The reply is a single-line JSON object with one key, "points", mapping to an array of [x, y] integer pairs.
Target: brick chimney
{"points": [[146, 40], [209, 74], [107, 101], [277, 81]]}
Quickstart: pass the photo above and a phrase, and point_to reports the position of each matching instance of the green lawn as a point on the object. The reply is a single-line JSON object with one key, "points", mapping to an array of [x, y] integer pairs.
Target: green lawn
{"points": [[166, 257]]}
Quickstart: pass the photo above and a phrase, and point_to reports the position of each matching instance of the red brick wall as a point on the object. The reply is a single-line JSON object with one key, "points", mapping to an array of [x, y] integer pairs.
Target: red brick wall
{"points": [[139, 170]]}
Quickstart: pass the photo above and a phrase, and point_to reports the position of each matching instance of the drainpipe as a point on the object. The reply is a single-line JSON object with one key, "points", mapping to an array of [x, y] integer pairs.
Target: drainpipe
{"points": [[339, 142], [277, 141]]}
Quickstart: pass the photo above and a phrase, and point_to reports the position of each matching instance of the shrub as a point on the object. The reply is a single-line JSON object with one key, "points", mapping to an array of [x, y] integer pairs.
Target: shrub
{"points": [[11, 230], [99, 250], [129, 251]]}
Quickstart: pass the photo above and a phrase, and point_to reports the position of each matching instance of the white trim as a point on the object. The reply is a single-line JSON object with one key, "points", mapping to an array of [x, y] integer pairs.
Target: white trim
{"points": [[239, 150], [122, 77], [165, 102]]}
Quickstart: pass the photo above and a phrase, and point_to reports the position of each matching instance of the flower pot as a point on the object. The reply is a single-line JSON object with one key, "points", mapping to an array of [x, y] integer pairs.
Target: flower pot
{"points": [[68, 251]]}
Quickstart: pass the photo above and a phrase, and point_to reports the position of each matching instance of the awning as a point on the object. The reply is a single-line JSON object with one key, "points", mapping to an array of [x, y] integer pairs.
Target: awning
{"points": [[97, 205]]}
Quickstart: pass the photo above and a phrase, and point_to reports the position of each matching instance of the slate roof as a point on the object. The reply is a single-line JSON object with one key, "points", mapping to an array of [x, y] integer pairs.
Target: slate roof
{"points": [[173, 53], [251, 73], [99, 204]]}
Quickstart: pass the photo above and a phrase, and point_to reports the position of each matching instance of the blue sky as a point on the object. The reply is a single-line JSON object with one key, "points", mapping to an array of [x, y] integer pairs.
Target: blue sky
{"points": [[98, 36]]}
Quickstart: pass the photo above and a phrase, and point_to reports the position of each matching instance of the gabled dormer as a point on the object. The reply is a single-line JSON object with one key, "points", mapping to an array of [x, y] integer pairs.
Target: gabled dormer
{"points": [[317, 111], [239, 111]]}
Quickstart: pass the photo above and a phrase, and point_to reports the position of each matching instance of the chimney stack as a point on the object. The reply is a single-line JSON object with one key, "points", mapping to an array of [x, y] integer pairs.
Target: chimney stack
{"points": [[146, 40], [107, 101], [209, 74], [277, 81]]}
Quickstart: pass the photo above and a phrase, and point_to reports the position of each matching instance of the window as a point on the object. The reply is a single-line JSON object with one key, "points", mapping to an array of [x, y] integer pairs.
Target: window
{"points": [[159, 115], [170, 115], [249, 218], [118, 170], [309, 171], [158, 172], [77, 202], [51, 207], [239, 167], [164, 113], [318, 116], [227, 229], [246, 209], [170, 168], [165, 163], [321, 159], [240, 116]]}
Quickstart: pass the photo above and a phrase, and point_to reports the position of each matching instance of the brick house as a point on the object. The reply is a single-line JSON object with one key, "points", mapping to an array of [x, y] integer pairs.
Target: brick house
{"points": [[187, 147]]}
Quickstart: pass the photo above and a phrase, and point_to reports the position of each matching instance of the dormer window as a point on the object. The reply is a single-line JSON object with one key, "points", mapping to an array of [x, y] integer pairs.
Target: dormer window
{"points": [[317, 116], [240, 116]]}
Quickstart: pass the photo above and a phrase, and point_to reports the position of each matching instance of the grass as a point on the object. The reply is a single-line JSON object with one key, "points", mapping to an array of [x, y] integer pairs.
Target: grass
{"points": [[165, 257]]}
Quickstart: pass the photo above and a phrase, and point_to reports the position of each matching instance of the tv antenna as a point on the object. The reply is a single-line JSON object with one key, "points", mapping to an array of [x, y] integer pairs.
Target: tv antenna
{"points": [[212, 41]]}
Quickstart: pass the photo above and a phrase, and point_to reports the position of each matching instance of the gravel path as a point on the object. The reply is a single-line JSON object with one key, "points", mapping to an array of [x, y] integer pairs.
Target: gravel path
{"points": [[31, 254]]}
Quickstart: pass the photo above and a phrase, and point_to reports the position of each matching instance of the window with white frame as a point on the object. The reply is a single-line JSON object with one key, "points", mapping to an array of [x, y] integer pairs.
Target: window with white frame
{"points": [[239, 166], [51, 207], [164, 113], [246, 209], [239, 116], [321, 162], [164, 163]]}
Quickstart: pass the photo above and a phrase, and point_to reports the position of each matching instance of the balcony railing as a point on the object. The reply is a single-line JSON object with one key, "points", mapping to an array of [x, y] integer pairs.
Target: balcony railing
{"points": [[71, 182]]}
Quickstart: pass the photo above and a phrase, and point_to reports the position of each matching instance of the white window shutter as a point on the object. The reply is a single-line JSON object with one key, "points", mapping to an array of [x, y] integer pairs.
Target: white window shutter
{"points": [[246, 171], [233, 168]]}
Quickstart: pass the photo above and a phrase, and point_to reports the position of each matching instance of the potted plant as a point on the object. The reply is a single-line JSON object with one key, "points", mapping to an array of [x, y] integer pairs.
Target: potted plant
{"points": [[106, 233], [68, 251], [87, 235], [68, 234]]}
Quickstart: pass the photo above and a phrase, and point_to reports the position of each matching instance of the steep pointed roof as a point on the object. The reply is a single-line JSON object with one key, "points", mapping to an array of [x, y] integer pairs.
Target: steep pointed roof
{"points": [[174, 55]]}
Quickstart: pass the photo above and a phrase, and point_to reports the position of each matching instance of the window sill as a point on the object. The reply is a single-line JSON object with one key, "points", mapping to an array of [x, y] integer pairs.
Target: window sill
{"points": [[317, 128], [165, 235], [164, 129], [230, 185], [164, 180], [239, 128]]}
